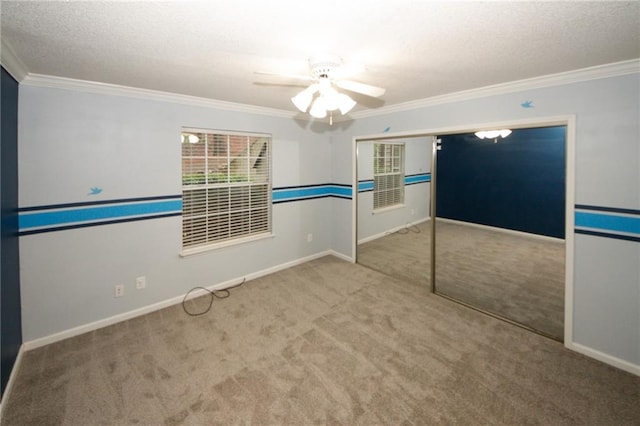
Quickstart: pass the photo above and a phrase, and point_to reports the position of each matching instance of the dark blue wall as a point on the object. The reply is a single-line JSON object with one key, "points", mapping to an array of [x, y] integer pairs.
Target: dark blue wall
{"points": [[517, 183], [11, 328]]}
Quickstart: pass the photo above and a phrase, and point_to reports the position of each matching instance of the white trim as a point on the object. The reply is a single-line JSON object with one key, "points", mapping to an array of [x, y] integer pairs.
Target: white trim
{"points": [[569, 233], [504, 230], [85, 328], [11, 62], [525, 123], [391, 231], [354, 199], [388, 208], [226, 132], [606, 358], [11, 381], [33, 344], [615, 69], [186, 252], [18, 70], [39, 80], [341, 256]]}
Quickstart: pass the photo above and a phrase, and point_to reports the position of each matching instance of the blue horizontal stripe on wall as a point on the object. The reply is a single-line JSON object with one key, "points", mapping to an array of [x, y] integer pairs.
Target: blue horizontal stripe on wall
{"points": [[91, 224], [419, 178], [309, 192], [608, 222], [367, 185], [33, 220]]}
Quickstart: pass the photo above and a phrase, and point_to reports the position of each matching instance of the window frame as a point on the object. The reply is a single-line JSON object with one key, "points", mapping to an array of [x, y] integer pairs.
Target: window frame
{"points": [[238, 199]]}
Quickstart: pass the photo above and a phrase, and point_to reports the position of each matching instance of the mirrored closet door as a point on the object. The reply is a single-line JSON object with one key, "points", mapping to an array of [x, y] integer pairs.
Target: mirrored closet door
{"points": [[500, 223], [393, 207]]}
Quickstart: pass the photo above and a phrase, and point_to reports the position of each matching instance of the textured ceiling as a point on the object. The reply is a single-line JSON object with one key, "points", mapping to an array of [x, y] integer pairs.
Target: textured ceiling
{"points": [[415, 49]]}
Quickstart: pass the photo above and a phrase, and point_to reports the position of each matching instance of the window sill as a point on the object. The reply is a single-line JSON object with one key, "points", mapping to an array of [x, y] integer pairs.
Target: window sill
{"points": [[215, 246], [390, 208]]}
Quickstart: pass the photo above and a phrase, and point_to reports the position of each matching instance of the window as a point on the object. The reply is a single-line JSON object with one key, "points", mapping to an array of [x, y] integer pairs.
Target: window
{"points": [[388, 175], [226, 188]]}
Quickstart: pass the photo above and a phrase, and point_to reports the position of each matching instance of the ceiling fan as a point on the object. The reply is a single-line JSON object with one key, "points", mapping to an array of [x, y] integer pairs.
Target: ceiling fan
{"points": [[322, 96]]}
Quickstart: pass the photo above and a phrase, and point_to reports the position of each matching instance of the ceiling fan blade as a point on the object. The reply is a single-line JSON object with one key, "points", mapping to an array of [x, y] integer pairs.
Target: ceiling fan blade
{"points": [[365, 89], [260, 83], [348, 70], [294, 76]]}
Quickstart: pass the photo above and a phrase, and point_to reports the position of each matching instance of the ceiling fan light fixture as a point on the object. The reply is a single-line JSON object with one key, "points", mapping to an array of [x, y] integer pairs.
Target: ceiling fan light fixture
{"points": [[303, 99], [323, 97], [345, 103], [318, 108], [331, 101]]}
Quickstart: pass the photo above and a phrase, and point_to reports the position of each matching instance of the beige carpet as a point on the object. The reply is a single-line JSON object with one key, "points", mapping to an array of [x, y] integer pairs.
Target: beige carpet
{"points": [[326, 342], [513, 276]]}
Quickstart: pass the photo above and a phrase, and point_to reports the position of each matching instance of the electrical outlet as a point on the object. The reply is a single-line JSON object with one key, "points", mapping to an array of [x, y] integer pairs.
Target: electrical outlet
{"points": [[141, 282], [118, 291], [309, 237]]}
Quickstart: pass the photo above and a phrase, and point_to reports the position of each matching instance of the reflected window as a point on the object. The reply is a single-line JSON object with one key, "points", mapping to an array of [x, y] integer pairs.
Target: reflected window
{"points": [[388, 175]]}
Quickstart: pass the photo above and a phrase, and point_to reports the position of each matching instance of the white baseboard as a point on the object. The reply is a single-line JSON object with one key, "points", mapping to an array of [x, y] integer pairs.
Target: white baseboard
{"points": [[10, 382], [341, 256], [503, 230], [391, 231], [603, 357], [85, 328], [592, 353]]}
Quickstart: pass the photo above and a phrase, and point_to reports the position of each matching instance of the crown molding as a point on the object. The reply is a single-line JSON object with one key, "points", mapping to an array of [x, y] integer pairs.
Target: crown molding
{"points": [[11, 62], [40, 80], [17, 69], [576, 76]]}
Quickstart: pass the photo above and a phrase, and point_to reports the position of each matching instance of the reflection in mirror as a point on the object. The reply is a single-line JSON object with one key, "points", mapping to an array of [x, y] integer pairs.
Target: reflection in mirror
{"points": [[500, 224], [393, 204]]}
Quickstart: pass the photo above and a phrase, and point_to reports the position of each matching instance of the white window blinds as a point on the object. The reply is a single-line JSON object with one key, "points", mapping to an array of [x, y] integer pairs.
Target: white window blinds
{"points": [[388, 175], [226, 187]]}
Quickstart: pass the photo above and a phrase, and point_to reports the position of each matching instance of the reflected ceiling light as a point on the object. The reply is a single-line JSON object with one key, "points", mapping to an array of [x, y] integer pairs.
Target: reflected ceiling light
{"points": [[493, 134]]}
